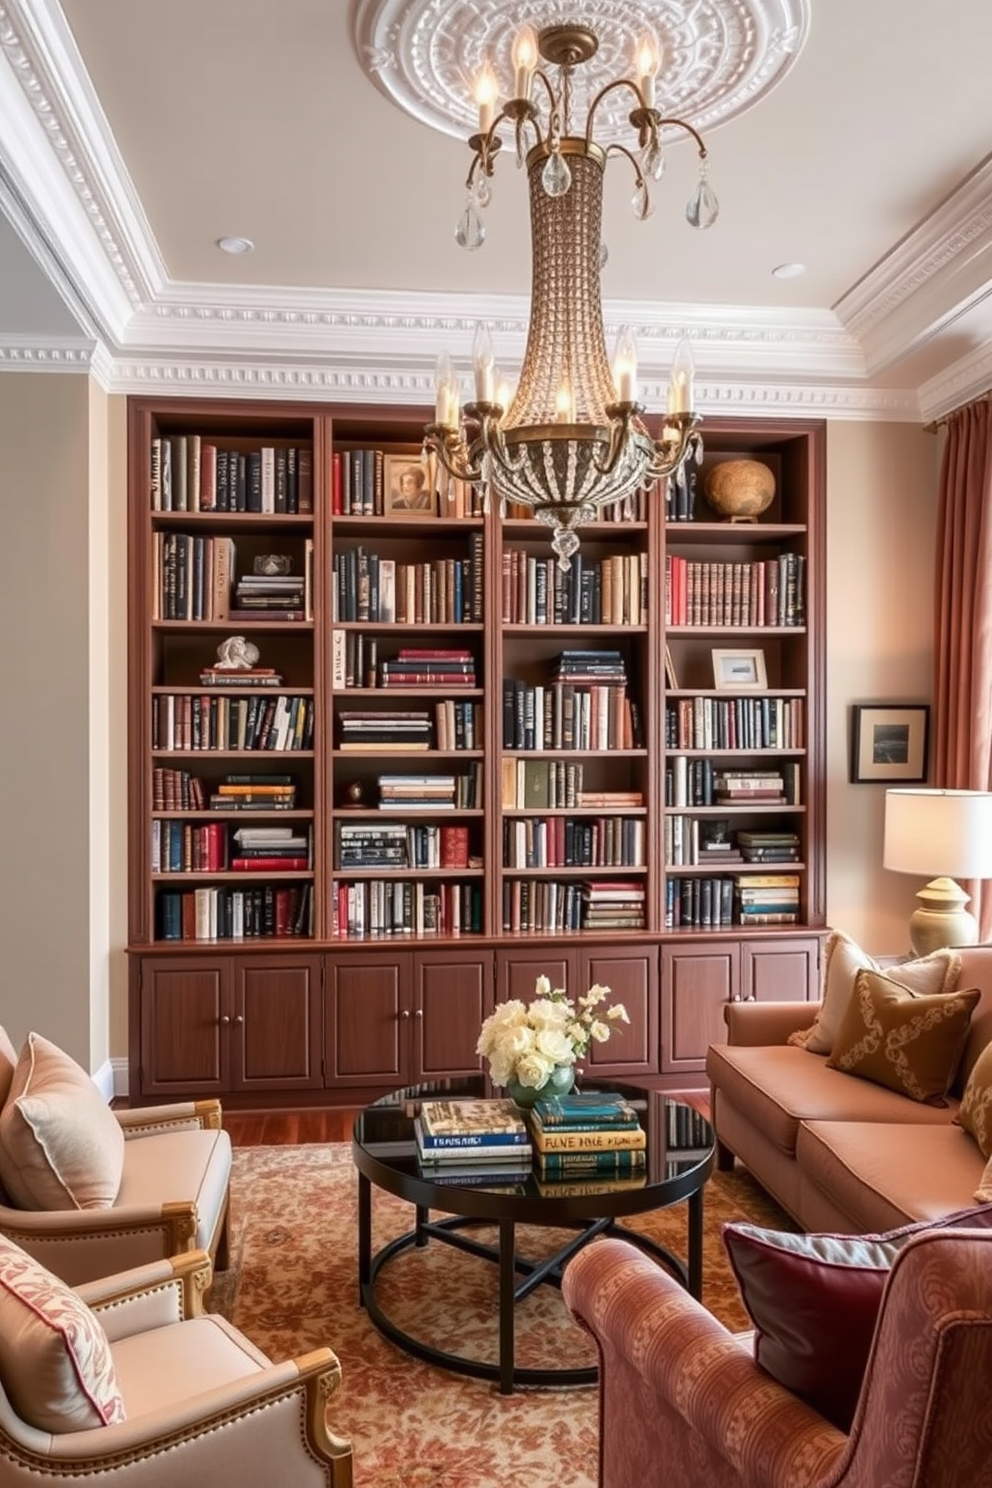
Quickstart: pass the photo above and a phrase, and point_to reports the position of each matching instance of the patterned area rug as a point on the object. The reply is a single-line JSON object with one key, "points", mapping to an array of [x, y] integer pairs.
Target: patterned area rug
{"points": [[293, 1286]]}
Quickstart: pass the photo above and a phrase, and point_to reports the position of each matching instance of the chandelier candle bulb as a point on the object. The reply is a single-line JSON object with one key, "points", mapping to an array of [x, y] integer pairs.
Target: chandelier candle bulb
{"points": [[486, 93], [445, 393], [565, 404], [484, 363], [646, 67], [680, 388], [625, 366], [524, 61]]}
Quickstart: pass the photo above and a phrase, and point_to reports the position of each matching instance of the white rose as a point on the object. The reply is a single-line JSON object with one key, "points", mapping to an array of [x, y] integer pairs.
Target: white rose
{"points": [[534, 1069]]}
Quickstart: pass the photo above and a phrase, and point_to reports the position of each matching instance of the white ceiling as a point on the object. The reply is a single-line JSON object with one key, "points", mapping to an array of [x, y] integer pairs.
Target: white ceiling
{"points": [[134, 134]]}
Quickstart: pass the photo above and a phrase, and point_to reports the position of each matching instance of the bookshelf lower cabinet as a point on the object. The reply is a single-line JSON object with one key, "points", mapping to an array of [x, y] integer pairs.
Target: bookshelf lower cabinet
{"points": [[630, 973], [240, 1024], [699, 977], [394, 1019]]}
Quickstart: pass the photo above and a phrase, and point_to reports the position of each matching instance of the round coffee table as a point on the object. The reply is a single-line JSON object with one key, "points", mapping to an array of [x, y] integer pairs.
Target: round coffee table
{"points": [[680, 1158]]}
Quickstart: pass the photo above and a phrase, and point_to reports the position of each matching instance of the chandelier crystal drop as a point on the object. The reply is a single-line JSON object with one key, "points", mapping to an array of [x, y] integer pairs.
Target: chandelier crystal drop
{"points": [[570, 443]]}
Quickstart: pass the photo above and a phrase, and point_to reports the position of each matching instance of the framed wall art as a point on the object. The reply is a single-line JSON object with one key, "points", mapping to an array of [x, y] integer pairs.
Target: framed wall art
{"points": [[734, 671], [889, 742], [407, 486]]}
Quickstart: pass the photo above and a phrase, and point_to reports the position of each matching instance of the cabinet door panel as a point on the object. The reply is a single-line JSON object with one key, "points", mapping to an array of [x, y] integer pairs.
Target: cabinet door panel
{"points": [[276, 1041], [632, 977], [185, 1028], [518, 971], [697, 980], [366, 1021], [780, 970], [452, 996]]}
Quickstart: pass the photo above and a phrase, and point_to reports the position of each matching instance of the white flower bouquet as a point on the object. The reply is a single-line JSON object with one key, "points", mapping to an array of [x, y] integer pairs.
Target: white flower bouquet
{"points": [[527, 1042]]}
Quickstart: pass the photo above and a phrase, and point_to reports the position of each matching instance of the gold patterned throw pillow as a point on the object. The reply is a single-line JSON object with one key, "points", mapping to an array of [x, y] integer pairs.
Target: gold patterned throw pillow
{"points": [[975, 1113], [843, 959], [902, 1039]]}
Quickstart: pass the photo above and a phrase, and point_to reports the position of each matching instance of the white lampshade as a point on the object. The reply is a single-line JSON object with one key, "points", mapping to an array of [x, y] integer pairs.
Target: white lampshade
{"points": [[939, 832]]}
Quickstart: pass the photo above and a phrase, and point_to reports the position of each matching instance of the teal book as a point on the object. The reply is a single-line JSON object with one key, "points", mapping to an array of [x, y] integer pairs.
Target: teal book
{"points": [[624, 1160], [584, 1106]]}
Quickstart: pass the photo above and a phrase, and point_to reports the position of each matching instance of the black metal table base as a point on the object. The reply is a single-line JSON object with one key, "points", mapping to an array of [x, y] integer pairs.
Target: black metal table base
{"points": [[505, 1370]]}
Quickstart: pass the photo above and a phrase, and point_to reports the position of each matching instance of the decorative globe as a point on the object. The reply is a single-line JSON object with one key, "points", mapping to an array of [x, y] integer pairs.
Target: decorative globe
{"points": [[740, 489]]}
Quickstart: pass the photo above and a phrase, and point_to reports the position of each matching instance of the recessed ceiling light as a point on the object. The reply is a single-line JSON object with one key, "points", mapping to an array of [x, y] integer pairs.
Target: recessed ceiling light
{"points": [[236, 245], [789, 271]]}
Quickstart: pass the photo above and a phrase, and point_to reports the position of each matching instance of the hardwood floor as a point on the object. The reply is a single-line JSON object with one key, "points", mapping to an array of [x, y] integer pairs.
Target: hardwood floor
{"points": [[290, 1128]]}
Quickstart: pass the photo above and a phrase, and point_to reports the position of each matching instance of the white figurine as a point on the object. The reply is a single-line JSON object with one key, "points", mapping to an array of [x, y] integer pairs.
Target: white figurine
{"points": [[236, 654]]}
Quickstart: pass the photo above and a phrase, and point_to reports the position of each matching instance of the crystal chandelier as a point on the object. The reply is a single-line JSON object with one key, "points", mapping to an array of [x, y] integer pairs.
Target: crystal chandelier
{"points": [[571, 441]]}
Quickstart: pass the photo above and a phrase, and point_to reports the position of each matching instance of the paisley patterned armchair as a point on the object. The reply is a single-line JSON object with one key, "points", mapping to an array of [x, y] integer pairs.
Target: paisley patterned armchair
{"points": [[682, 1399]]}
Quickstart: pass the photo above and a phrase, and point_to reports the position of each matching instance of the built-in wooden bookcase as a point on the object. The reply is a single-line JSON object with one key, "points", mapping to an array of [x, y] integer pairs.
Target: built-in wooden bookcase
{"points": [[476, 777]]}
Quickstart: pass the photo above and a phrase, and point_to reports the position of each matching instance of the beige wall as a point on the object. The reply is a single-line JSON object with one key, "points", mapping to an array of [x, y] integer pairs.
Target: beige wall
{"points": [[63, 778], [881, 505]]}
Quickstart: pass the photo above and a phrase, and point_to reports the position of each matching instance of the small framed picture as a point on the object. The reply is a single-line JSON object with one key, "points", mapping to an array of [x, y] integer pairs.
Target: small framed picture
{"points": [[408, 487], [889, 742], [742, 670]]}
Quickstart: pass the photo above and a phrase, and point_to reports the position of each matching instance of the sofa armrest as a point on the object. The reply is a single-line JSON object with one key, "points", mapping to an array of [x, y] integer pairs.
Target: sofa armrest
{"points": [[658, 1342], [141, 1121], [152, 1296], [760, 1023]]}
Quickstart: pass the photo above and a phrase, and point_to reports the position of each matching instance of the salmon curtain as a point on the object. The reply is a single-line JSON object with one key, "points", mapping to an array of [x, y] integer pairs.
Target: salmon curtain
{"points": [[963, 619]]}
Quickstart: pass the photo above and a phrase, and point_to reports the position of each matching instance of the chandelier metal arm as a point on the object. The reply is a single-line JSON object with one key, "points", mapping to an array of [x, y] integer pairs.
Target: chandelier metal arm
{"points": [[615, 148], [625, 83], [678, 442], [621, 416], [682, 124], [447, 443]]}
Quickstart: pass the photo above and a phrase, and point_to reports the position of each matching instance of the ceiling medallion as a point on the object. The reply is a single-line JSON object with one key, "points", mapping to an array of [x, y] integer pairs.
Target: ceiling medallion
{"points": [[718, 57]]}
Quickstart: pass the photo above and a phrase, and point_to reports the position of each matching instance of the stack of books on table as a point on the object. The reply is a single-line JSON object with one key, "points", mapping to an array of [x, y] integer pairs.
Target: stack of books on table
{"points": [[485, 1141], [587, 1134]]}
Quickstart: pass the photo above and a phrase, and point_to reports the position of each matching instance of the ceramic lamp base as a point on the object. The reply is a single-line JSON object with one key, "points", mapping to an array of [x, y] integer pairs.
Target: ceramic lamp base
{"points": [[942, 919]]}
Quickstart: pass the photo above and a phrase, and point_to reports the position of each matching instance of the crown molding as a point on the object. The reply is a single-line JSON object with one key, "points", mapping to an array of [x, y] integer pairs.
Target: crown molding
{"points": [[968, 378]]}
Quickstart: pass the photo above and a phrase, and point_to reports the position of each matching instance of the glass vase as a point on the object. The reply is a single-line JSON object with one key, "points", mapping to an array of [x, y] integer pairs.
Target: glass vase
{"points": [[559, 1082]]}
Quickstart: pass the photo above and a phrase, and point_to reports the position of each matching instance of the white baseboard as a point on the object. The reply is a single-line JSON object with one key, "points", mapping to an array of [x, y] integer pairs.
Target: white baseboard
{"points": [[111, 1079]]}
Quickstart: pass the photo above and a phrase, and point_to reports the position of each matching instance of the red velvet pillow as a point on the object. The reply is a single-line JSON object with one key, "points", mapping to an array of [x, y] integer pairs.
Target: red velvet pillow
{"points": [[814, 1301]]}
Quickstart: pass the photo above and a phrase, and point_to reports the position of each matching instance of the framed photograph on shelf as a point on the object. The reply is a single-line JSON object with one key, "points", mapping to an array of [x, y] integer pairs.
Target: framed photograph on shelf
{"points": [[407, 486], [734, 671], [889, 742]]}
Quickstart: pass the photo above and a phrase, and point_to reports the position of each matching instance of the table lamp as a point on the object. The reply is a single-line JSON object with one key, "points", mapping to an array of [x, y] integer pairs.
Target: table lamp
{"points": [[943, 832]]}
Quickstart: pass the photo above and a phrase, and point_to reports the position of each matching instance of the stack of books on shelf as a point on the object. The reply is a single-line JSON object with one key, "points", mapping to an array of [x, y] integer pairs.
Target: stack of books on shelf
{"points": [[432, 792], [269, 597], [254, 793], [419, 667], [369, 844], [253, 676], [484, 1141], [613, 904], [271, 850], [742, 787], [768, 847], [366, 730], [767, 898], [587, 1133]]}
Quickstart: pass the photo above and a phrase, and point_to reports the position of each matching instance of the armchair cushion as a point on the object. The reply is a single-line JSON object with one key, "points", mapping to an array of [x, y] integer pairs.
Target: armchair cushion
{"points": [[55, 1359], [61, 1146], [814, 1301], [910, 1042]]}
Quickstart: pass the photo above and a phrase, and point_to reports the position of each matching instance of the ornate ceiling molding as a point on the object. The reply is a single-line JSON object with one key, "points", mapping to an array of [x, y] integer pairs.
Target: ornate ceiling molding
{"points": [[718, 56]]}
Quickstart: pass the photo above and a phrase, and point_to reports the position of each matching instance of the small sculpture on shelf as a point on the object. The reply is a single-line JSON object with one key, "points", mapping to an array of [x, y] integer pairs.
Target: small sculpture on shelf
{"points": [[237, 654], [271, 565], [740, 490]]}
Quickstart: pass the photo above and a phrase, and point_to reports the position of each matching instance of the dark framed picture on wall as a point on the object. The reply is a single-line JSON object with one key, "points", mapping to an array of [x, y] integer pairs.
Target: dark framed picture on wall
{"points": [[889, 742]]}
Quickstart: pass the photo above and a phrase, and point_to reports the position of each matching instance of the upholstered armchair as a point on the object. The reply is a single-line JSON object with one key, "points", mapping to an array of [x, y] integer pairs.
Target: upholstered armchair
{"points": [[683, 1400], [90, 1191], [182, 1399]]}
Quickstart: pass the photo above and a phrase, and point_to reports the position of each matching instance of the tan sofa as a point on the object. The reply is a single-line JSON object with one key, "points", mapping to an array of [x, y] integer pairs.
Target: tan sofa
{"points": [[838, 1152]]}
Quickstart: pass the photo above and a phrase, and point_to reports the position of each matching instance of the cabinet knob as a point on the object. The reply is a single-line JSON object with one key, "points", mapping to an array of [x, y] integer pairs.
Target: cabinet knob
{"points": [[224, 1018], [405, 1013], [239, 1018], [419, 1013]]}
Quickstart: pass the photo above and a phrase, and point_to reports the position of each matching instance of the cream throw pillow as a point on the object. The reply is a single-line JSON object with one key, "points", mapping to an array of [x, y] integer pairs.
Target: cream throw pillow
{"points": [[61, 1147], [842, 960], [55, 1360]]}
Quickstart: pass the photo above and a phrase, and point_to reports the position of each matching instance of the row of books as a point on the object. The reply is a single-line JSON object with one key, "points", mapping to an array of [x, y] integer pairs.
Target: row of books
{"points": [[179, 790], [735, 723], [185, 722], [212, 847], [267, 911], [195, 579], [360, 660], [711, 592], [394, 846], [557, 841], [367, 730], [400, 907], [680, 495], [704, 903], [689, 843], [535, 590], [359, 487], [704, 782], [540, 784], [552, 905], [369, 587], [189, 473], [566, 715], [432, 792]]}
